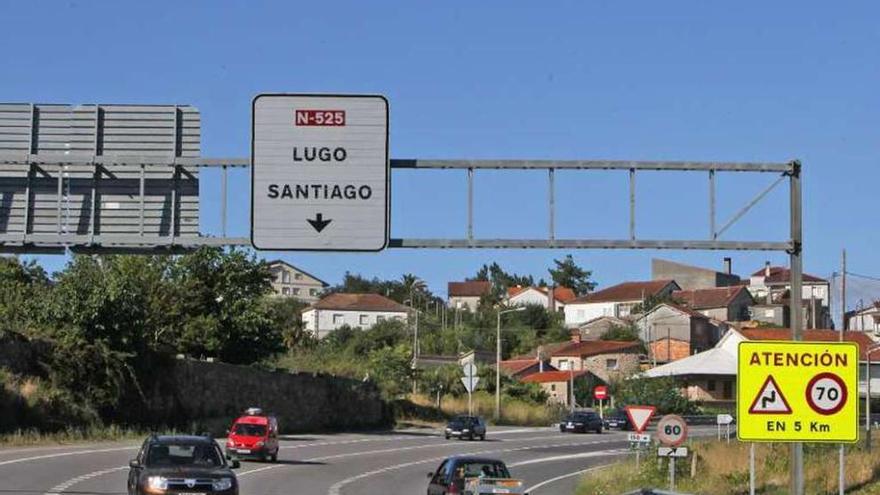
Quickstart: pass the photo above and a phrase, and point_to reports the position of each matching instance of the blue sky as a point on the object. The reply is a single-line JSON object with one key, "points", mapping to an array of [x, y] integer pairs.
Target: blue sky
{"points": [[749, 80]]}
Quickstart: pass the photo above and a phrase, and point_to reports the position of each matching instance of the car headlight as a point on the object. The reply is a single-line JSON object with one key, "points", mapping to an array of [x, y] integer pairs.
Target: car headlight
{"points": [[221, 484], [157, 483], [260, 444], [465, 430]]}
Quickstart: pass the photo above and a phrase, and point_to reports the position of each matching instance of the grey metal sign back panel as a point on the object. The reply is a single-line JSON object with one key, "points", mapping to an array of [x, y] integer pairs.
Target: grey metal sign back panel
{"points": [[320, 172], [64, 192]]}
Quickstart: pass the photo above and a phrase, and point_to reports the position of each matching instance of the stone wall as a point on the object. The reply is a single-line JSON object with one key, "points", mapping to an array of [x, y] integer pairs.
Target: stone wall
{"points": [[195, 394]]}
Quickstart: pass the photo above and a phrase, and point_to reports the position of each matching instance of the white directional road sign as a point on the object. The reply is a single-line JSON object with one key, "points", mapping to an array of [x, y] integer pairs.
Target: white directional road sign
{"points": [[639, 438], [672, 452], [320, 172], [724, 419]]}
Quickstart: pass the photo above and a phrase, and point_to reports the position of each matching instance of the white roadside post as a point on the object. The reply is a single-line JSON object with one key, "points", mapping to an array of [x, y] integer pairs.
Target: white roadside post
{"points": [[498, 361]]}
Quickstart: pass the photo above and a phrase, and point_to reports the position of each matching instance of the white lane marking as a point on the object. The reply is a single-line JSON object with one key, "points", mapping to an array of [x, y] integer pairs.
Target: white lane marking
{"points": [[437, 434], [568, 457], [57, 490], [65, 454], [532, 488], [257, 470], [337, 487]]}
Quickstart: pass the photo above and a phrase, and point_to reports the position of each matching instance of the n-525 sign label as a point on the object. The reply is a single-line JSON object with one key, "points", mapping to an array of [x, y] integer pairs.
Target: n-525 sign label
{"points": [[797, 391]]}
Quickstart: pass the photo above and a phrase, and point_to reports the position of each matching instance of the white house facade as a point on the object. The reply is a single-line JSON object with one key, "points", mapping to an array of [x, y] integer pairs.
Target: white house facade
{"points": [[617, 301], [360, 311]]}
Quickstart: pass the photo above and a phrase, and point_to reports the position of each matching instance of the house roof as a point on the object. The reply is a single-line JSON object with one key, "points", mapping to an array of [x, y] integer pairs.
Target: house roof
{"points": [[514, 366], [561, 294], [613, 319], [596, 347], [719, 297], [471, 288], [680, 309], [548, 350], [359, 302], [780, 274], [860, 338], [627, 291], [553, 376], [719, 360], [282, 262]]}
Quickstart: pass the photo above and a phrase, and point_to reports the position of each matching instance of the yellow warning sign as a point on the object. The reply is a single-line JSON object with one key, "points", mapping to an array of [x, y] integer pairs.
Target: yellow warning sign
{"points": [[797, 391]]}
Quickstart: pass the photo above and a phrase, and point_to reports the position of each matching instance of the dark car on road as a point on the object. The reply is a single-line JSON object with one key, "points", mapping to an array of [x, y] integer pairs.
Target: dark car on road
{"points": [[582, 422], [618, 420], [471, 475], [181, 464], [469, 427]]}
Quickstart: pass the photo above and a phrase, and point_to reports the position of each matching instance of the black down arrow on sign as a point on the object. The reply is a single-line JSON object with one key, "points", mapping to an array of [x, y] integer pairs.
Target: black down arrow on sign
{"points": [[318, 222]]}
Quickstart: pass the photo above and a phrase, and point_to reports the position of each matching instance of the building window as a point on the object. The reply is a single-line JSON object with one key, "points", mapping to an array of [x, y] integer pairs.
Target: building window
{"points": [[338, 319], [710, 385], [285, 291], [298, 276], [380, 318], [295, 291], [313, 292], [553, 387], [611, 364], [364, 319], [728, 390], [285, 277]]}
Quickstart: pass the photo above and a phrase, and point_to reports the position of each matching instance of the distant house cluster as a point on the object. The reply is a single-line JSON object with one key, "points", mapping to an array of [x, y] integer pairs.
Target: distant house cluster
{"points": [[688, 321]]}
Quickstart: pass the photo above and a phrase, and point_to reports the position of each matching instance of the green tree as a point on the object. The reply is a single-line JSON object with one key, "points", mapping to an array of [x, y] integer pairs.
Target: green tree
{"points": [[568, 274], [621, 332], [390, 368], [662, 393], [501, 280]]}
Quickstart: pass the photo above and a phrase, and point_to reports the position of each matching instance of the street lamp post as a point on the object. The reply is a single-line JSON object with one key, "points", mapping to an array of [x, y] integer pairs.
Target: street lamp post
{"points": [[415, 358], [498, 361]]}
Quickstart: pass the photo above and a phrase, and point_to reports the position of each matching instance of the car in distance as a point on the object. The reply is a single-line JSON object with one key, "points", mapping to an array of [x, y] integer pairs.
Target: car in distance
{"points": [[582, 422], [469, 475], [178, 464], [253, 435], [469, 427], [619, 420]]}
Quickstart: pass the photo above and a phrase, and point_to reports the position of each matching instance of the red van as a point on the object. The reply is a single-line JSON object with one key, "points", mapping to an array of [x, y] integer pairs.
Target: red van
{"points": [[253, 435]]}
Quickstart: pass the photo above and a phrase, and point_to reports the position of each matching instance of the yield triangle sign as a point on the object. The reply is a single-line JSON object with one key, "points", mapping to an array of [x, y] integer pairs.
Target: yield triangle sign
{"points": [[770, 399], [639, 416]]}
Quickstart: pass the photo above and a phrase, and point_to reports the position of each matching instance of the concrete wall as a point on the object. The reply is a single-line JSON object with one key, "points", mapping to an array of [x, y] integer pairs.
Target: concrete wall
{"points": [[669, 350], [575, 314], [627, 364], [288, 282], [470, 303], [212, 395]]}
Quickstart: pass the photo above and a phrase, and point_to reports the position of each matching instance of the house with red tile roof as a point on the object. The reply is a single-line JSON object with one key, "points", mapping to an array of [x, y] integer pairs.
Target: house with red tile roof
{"points": [[466, 295], [354, 310], [673, 332], [771, 288], [617, 301], [710, 376], [521, 368], [522, 296], [730, 303], [557, 384], [606, 359]]}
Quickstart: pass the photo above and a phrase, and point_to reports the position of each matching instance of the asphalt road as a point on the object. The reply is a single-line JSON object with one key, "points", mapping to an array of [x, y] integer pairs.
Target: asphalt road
{"points": [[394, 462]]}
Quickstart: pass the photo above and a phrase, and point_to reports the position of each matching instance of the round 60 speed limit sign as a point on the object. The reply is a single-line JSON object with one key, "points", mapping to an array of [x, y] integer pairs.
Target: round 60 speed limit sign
{"points": [[826, 393], [672, 431]]}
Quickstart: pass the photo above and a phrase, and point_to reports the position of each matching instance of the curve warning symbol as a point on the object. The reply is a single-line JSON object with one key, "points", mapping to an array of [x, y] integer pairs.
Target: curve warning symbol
{"points": [[770, 399]]}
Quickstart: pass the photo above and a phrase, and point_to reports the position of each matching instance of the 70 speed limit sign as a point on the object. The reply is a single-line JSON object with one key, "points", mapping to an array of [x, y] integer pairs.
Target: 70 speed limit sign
{"points": [[672, 431]]}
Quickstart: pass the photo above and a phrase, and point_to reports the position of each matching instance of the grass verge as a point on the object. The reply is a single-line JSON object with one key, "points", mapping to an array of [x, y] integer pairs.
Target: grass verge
{"points": [[720, 468], [111, 433]]}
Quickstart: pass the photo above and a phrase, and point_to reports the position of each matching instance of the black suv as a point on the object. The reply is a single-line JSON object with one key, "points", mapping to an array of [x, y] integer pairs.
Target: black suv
{"points": [[181, 464], [582, 422]]}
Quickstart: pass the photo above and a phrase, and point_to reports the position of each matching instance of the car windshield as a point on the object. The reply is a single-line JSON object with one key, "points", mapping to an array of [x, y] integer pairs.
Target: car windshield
{"points": [[484, 469], [184, 454], [249, 430]]}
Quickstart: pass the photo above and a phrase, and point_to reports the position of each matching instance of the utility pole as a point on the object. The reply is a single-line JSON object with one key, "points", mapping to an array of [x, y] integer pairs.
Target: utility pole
{"points": [[795, 306], [843, 321], [498, 361], [841, 482]]}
